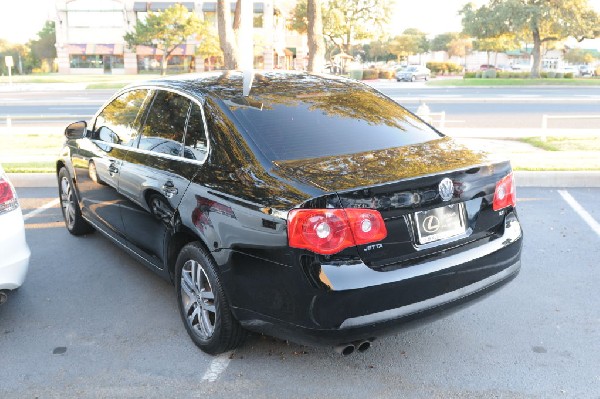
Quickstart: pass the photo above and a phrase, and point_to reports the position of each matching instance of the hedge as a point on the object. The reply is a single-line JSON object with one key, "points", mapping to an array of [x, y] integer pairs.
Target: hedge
{"points": [[370, 74], [443, 67], [491, 74]]}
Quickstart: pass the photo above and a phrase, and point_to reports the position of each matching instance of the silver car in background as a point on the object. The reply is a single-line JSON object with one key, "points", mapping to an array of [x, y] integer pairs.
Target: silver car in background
{"points": [[14, 259], [412, 73]]}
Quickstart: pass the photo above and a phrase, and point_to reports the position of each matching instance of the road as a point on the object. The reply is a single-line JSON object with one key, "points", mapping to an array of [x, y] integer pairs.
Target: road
{"points": [[465, 107], [91, 322]]}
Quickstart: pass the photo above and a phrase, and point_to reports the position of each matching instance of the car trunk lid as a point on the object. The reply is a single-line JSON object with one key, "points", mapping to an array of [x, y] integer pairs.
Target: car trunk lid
{"points": [[404, 185]]}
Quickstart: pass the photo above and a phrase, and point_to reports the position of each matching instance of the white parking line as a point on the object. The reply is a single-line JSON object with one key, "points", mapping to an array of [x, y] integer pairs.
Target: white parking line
{"points": [[41, 209], [580, 211], [217, 366]]}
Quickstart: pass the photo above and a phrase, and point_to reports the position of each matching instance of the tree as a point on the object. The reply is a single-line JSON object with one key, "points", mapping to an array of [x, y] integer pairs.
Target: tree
{"points": [[208, 45], [227, 35], [165, 31], [345, 21], [495, 45], [460, 47], [20, 54], [43, 50], [377, 49], [455, 44], [412, 41], [316, 44], [442, 41], [539, 21], [579, 56]]}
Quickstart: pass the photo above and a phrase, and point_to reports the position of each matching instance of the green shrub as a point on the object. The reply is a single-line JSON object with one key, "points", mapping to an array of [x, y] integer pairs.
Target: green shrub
{"points": [[569, 75], [544, 75], [440, 68], [469, 75], [478, 74], [386, 74], [551, 74], [454, 68], [436, 67], [489, 74], [370, 74], [560, 75]]}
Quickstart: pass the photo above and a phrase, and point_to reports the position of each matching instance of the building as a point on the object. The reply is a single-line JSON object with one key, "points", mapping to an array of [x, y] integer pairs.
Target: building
{"points": [[89, 38]]}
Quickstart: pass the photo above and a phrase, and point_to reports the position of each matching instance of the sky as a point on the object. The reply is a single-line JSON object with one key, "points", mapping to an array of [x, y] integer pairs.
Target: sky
{"points": [[20, 20]]}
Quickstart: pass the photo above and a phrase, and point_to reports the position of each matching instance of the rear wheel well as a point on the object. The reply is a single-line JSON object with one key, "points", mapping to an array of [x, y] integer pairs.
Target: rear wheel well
{"points": [[177, 242]]}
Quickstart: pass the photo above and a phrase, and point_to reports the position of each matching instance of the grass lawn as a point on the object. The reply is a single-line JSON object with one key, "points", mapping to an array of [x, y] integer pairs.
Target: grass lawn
{"points": [[564, 143], [28, 153], [515, 82], [92, 81], [24, 153]]}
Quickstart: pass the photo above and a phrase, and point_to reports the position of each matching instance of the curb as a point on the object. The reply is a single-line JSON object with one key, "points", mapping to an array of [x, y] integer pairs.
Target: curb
{"points": [[40, 180], [568, 179]]}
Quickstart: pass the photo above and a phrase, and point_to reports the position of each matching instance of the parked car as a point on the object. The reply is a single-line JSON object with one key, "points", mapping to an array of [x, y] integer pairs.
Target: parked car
{"points": [[485, 67], [13, 246], [412, 73], [313, 208], [586, 70], [569, 69]]}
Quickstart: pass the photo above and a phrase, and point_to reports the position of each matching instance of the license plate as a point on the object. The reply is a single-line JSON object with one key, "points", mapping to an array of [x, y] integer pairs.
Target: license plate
{"points": [[440, 223]]}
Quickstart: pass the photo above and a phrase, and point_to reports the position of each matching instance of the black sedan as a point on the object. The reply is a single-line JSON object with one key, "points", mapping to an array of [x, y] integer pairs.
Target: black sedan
{"points": [[308, 207]]}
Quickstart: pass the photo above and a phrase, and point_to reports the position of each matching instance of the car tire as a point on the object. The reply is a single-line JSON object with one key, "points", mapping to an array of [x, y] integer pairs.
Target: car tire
{"points": [[203, 305], [74, 222], [397, 80], [413, 78], [426, 78]]}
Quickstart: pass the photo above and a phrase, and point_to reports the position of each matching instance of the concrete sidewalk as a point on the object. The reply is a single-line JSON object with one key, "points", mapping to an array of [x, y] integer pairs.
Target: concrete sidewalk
{"points": [[523, 179]]}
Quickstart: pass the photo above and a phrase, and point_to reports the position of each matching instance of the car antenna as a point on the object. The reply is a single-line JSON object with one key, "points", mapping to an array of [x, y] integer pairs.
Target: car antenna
{"points": [[247, 83]]}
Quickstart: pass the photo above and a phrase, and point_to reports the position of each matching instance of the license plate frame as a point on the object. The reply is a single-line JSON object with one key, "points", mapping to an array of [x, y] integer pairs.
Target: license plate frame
{"points": [[438, 224]]}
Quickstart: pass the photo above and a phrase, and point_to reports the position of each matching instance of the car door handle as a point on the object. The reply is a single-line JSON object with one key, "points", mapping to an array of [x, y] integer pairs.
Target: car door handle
{"points": [[112, 169], [169, 189]]}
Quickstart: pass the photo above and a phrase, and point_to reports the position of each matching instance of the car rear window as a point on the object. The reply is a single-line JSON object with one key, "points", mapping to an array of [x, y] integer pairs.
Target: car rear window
{"points": [[328, 123]]}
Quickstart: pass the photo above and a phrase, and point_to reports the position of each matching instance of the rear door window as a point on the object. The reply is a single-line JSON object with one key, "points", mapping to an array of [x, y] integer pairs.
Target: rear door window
{"points": [[165, 124], [196, 144]]}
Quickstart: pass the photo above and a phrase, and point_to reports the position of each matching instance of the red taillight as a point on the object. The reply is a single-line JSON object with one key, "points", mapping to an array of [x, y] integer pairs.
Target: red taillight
{"points": [[506, 193], [8, 201], [328, 231]]}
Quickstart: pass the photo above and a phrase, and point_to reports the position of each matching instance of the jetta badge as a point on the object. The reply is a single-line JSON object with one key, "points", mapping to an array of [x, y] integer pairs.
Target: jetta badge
{"points": [[446, 189]]}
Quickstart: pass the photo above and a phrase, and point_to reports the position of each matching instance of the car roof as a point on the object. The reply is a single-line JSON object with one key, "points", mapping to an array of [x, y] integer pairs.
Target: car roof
{"points": [[228, 85]]}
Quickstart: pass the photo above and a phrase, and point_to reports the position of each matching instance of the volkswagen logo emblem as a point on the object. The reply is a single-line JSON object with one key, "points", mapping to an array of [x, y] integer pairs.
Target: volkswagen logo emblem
{"points": [[431, 224], [446, 189]]}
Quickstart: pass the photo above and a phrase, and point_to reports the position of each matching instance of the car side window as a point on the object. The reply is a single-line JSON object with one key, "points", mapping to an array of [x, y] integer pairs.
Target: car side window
{"points": [[165, 124], [196, 144], [119, 121]]}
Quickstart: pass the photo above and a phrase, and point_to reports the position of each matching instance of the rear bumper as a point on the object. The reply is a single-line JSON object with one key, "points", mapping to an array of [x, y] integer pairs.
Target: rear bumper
{"points": [[15, 252], [364, 303]]}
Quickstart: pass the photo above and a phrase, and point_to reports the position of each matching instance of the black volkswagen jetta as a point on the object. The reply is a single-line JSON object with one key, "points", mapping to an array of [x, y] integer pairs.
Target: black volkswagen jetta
{"points": [[313, 208]]}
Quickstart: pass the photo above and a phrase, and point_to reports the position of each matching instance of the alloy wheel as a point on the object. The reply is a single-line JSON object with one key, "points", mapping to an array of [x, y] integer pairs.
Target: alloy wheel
{"points": [[66, 199], [198, 300]]}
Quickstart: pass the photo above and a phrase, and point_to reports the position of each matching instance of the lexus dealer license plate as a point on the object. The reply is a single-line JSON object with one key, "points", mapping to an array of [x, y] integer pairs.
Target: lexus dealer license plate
{"points": [[440, 223]]}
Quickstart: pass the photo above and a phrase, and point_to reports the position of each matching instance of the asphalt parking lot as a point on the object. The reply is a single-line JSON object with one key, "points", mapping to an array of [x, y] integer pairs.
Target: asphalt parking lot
{"points": [[92, 322]]}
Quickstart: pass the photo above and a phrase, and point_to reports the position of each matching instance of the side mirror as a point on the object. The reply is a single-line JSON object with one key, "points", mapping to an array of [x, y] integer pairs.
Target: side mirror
{"points": [[76, 130]]}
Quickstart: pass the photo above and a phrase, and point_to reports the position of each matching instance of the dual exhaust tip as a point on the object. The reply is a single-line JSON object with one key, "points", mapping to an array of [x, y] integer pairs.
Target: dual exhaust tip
{"points": [[359, 346]]}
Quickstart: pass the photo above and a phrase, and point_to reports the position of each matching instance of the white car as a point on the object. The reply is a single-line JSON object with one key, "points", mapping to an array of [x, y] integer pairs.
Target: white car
{"points": [[14, 259]]}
